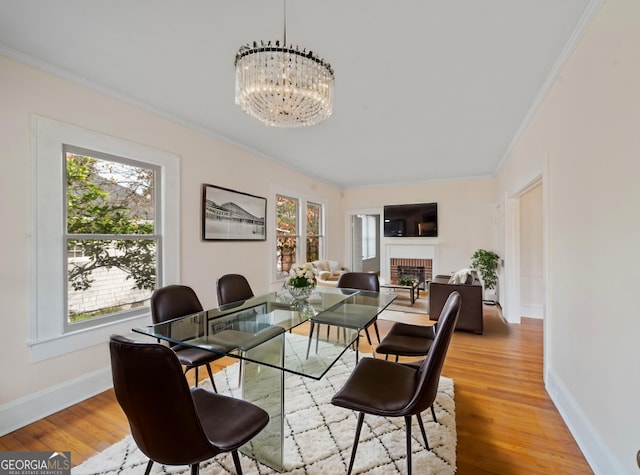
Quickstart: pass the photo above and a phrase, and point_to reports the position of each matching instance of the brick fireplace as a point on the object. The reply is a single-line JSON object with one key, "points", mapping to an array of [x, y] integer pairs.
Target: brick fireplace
{"points": [[414, 255], [421, 269]]}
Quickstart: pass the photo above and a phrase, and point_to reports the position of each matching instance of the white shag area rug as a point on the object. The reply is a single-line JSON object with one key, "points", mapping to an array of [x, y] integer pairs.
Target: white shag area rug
{"points": [[318, 435]]}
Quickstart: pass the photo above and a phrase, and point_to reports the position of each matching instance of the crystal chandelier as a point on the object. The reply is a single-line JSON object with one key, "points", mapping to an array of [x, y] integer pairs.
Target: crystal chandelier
{"points": [[283, 86]]}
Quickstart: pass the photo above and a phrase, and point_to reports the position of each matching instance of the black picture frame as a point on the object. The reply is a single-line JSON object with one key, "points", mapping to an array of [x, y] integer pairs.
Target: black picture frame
{"points": [[230, 215]]}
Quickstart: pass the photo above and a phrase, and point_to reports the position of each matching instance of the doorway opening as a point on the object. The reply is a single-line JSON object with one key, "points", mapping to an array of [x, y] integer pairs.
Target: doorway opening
{"points": [[365, 242]]}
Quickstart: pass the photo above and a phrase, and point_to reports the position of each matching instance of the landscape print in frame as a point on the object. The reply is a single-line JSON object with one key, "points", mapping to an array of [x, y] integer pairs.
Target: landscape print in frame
{"points": [[232, 215]]}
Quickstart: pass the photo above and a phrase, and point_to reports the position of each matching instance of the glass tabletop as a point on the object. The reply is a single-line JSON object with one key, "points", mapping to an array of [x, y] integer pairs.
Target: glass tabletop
{"points": [[238, 329]]}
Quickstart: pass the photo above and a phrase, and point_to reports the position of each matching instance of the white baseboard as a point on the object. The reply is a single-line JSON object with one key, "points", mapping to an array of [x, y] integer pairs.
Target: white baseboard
{"points": [[531, 311], [26, 410], [599, 457]]}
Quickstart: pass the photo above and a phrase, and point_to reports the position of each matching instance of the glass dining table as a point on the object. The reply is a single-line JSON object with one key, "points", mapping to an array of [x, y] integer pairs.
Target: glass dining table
{"points": [[272, 335]]}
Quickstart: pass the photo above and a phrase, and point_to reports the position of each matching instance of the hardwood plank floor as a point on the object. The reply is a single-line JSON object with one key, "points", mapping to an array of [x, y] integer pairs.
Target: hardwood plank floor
{"points": [[506, 422]]}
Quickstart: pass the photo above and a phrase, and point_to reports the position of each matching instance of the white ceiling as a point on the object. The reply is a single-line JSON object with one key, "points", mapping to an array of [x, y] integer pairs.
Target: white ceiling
{"points": [[426, 90]]}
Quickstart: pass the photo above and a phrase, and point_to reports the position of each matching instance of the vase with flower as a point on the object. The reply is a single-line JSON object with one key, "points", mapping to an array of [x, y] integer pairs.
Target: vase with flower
{"points": [[301, 281]]}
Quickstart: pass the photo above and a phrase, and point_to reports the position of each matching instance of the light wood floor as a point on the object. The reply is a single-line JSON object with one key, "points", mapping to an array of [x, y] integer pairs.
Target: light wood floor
{"points": [[505, 420]]}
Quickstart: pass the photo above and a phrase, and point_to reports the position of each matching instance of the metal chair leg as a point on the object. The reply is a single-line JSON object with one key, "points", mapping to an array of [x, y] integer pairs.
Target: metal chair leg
{"points": [[241, 370], [149, 465], [366, 332], [355, 441], [213, 383], [195, 468], [373, 352], [433, 413], [375, 326], [424, 434], [236, 462], [311, 325], [195, 368], [407, 421]]}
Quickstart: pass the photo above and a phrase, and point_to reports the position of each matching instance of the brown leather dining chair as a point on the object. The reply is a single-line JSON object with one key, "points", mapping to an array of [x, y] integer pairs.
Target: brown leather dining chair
{"points": [[173, 301], [389, 389], [233, 288], [347, 280], [406, 339], [361, 281], [171, 423]]}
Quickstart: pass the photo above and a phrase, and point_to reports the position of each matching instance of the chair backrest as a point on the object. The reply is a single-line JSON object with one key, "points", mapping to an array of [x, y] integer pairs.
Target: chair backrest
{"points": [[359, 280], [429, 373], [173, 301], [233, 288], [155, 396]]}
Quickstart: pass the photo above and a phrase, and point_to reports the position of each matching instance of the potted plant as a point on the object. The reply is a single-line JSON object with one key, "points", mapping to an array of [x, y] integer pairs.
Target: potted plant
{"points": [[486, 263]]}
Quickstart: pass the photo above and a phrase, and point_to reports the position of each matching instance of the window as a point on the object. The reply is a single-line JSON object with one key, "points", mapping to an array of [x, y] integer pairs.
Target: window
{"points": [[289, 231], [369, 236], [314, 231], [286, 233], [111, 238], [105, 234]]}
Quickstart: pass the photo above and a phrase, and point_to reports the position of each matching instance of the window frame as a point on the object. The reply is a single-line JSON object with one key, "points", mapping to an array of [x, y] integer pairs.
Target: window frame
{"points": [[321, 235], [369, 223], [281, 274], [47, 336], [155, 236]]}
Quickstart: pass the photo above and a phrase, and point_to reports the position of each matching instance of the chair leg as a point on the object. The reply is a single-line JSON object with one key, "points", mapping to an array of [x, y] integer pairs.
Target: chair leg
{"points": [[366, 332], [149, 465], [375, 326], [407, 420], [424, 434], [355, 441], [433, 413], [195, 368], [236, 462], [241, 370], [317, 337], [311, 325], [213, 383], [357, 349], [195, 468]]}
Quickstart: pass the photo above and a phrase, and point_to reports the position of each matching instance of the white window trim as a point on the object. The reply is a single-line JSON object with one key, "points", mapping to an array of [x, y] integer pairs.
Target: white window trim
{"points": [[47, 337]]}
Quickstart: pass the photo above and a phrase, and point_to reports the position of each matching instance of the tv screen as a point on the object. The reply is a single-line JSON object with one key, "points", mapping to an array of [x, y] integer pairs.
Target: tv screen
{"points": [[411, 220]]}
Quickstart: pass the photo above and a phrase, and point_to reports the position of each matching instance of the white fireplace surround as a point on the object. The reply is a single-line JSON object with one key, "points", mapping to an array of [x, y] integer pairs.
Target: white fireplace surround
{"points": [[408, 248]]}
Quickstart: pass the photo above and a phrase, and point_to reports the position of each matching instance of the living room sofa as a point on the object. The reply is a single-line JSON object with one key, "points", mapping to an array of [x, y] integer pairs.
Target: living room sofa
{"points": [[470, 318], [328, 272]]}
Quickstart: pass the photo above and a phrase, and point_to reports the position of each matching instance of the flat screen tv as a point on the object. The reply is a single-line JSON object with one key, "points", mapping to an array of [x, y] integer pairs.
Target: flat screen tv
{"points": [[411, 220]]}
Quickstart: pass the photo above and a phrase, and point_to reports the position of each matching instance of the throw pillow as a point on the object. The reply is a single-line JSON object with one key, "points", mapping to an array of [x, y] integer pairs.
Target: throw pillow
{"points": [[324, 266], [463, 276], [333, 266]]}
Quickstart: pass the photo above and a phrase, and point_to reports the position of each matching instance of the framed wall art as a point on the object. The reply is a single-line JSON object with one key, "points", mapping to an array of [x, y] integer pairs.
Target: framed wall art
{"points": [[229, 215]]}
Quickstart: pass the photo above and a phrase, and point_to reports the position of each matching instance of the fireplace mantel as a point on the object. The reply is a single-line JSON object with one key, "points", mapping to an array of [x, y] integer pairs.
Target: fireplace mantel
{"points": [[408, 248]]}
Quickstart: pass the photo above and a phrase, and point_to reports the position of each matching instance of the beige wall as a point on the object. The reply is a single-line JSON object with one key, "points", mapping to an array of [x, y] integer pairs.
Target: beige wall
{"points": [[25, 91], [466, 215], [588, 130]]}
